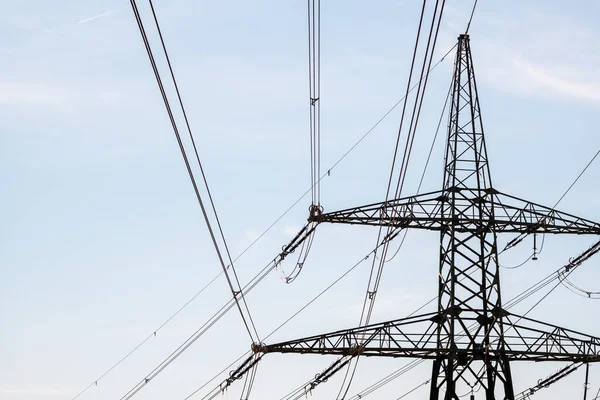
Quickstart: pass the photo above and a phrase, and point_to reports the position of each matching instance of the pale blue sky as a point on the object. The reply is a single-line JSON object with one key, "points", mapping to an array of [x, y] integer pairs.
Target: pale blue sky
{"points": [[102, 238]]}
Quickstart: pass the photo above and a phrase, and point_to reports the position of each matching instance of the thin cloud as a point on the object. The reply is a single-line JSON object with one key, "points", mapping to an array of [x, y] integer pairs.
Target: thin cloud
{"points": [[37, 391], [104, 14], [32, 93], [540, 76]]}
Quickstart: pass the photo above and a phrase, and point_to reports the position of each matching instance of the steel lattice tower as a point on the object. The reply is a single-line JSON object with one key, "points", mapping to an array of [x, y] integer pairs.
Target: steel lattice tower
{"points": [[471, 338]]}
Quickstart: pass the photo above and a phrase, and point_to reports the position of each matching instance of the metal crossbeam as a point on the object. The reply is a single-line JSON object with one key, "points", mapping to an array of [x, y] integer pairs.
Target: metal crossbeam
{"points": [[525, 339], [509, 214]]}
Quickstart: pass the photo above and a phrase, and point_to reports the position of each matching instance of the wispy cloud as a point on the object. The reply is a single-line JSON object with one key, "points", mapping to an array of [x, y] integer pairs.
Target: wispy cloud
{"points": [[31, 93], [37, 391], [60, 95], [559, 62], [104, 14], [544, 79]]}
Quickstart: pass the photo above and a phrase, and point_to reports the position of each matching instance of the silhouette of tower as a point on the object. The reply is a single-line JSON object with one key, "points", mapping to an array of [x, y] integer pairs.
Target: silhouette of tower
{"points": [[471, 338]]}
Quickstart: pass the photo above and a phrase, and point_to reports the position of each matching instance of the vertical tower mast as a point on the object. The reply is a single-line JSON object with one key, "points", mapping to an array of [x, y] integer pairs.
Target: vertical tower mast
{"points": [[469, 287]]}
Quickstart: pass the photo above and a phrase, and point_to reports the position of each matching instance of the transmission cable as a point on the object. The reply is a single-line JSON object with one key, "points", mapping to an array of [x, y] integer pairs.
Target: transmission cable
{"points": [[576, 179], [573, 264], [429, 52], [410, 139], [413, 390], [268, 229], [150, 336], [545, 383], [370, 292], [314, 87], [199, 332], [471, 18], [557, 275], [328, 173], [522, 236], [433, 142], [211, 201], [352, 268], [235, 291]]}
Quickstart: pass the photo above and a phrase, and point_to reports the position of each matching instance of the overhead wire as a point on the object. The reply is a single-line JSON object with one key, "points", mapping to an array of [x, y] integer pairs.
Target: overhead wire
{"points": [[259, 237], [189, 168], [544, 282], [387, 379], [588, 165], [588, 294], [314, 84], [471, 18], [235, 290], [268, 229], [294, 315], [414, 390], [305, 390], [522, 236], [577, 179], [276, 221], [374, 280], [545, 383], [411, 132], [570, 267], [199, 332], [433, 142], [352, 367], [140, 344]]}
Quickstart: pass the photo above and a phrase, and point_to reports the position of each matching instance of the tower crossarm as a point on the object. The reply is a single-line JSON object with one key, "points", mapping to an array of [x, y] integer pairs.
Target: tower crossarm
{"points": [[521, 216], [507, 214], [413, 337], [421, 211], [526, 339]]}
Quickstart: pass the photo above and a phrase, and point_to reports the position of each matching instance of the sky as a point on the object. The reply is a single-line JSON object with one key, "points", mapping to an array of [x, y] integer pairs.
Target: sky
{"points": [[103, 240]]}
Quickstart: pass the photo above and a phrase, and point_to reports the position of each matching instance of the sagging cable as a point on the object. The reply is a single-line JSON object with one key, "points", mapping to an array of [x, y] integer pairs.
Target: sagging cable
{"points": [[304, 240]]}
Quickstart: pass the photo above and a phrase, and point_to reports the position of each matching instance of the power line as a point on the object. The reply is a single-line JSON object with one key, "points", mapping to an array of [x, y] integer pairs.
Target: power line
{"points": [[544, 383], [373, 284], [305, 306], [557, 275], [140, 344], [198, 333], [568, 268], [471, 18], [267, 230], [234, 290], [314, 85], [519, 238], [577, 179]]}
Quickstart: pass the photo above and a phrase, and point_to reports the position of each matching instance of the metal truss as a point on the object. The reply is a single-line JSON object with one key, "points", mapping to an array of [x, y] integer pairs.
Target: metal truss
{"points": [[429, 211], [471, 338], [525, 339]]}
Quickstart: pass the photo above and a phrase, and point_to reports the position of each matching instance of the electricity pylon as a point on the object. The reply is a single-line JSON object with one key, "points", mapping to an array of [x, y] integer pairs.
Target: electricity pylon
{"points": [[471, 339]]}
